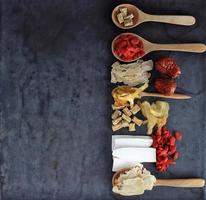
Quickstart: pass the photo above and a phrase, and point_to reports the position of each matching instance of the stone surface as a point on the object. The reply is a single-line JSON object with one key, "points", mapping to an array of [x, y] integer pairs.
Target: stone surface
{"points": [[55, 134]]}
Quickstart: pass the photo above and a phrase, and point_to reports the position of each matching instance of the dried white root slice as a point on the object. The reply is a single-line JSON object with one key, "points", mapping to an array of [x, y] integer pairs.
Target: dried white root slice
{"points": [[127, 112], [120, 164], [132, 127], [116, 121], [135, 109], [116, 114], [125, 124], [127, 118], [130, 16], [117, 127], [132, 74], [120, 141], [128, 22], [123, 11], [136, 154], [137, 121], [120, 18]]}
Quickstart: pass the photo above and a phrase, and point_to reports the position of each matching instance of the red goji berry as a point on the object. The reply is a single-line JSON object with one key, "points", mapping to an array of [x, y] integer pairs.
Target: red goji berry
{"points": [[176, 156], [178, 135]]}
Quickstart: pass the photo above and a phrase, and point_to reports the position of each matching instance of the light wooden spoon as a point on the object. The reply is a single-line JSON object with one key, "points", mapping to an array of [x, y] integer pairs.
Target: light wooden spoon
{"points": [[174, 96], [140, 17], [149, 47], [186, 182]]}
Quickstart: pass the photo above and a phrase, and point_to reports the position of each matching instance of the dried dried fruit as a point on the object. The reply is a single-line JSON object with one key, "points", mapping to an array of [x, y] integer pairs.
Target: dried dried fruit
{"points": [[168, 66], [165, 86]]}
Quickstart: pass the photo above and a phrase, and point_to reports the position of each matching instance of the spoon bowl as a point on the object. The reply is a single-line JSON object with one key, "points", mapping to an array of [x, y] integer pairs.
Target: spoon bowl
{"points": [[150, 47], [131, 9], [141, 17]]}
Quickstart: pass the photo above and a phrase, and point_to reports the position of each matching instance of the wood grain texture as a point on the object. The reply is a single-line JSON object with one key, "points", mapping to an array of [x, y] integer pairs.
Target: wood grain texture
{"points": [[186, 183]]}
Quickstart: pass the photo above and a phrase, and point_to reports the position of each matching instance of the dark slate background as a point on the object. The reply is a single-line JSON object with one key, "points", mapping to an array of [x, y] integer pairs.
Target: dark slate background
{"points": [[55, 133]]}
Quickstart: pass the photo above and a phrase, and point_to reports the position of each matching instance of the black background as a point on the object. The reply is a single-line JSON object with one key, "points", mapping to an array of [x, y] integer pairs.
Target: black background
{"points": [[55, 98]]}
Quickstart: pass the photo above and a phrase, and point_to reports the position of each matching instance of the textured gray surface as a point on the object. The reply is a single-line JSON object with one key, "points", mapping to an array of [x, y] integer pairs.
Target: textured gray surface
{"points": [[55, 133]]}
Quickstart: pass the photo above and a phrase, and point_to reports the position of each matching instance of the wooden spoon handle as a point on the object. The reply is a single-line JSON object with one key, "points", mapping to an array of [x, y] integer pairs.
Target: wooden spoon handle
{"points": [[192, 47], [171, 19], [189, 183], [174, 96]]}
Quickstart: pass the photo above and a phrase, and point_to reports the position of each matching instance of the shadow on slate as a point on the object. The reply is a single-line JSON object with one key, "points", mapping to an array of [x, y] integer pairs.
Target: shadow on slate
{"points": [[55, 128]]}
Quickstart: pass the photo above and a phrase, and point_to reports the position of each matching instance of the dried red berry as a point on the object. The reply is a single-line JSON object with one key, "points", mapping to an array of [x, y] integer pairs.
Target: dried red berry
{"points": [[178, 135], [166, 148], [172, 150], [171, 141], [164, 128], [176, 156], [171, 162], [163, 153]]}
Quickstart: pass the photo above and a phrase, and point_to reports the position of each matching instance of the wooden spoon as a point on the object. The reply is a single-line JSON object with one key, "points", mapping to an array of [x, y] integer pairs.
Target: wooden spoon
{"points": [[174, 96], [187, 183], [140, 17], [149, 47]]}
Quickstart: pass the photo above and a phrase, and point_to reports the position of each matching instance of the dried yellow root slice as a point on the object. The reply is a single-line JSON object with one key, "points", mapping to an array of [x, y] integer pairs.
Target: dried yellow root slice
{"points": [[127, 118], [125, 124], [127, 112], [137, 121], [116, 121], [117, 127], [132, 127], [135, 109], [116, 114]]}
